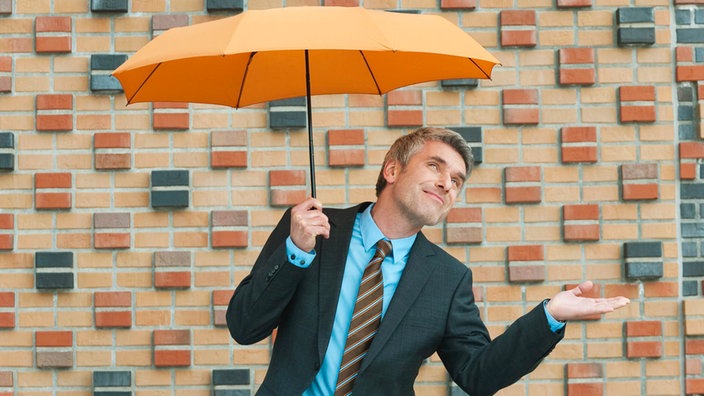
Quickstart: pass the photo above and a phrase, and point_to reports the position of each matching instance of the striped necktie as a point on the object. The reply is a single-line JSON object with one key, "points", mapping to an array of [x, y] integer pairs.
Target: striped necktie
{"points": [[365, 320]]}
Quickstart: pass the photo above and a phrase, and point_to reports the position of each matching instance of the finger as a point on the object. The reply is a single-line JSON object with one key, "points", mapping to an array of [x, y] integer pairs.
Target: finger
{"points": [[583, 288]]}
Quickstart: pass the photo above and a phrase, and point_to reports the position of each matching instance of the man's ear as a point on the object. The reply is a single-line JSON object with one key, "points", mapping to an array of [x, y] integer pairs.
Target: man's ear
{"points": [[391, 171]]}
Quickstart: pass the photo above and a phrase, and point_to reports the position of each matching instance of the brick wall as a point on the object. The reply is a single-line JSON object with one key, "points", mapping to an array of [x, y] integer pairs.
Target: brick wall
{"points": [[124, 229]]}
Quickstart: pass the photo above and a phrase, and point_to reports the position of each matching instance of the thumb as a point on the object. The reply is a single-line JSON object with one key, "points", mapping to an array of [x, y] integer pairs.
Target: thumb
{"points": [[583, 288]]}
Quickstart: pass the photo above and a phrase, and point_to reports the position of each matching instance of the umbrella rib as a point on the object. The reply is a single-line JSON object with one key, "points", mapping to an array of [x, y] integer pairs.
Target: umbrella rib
{"points": [[378, 90], [244, 78], [480, 69], [129, 101]]}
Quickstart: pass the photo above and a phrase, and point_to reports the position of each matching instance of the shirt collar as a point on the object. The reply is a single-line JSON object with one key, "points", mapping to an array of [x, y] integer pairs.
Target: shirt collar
{"points": [[371, 234]]}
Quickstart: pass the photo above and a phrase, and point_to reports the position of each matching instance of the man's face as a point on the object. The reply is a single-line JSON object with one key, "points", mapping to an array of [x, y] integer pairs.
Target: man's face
{"points": [[427, 187]]}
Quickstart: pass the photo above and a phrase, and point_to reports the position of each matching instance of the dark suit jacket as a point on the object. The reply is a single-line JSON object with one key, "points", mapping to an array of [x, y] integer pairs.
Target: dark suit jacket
{"points": [[433, 310]]}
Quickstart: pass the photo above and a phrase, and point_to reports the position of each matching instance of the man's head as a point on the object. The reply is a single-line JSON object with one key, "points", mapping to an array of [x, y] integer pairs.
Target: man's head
{"points": [[408, 145]]}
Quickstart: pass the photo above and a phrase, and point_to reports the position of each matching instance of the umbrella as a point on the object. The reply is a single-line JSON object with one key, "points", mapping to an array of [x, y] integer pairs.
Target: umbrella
{"points": [[280, 53]]}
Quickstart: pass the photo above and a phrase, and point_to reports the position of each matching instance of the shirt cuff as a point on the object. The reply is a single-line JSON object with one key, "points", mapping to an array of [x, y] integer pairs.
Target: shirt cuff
{"points": [[555, 325], [298, 257]]}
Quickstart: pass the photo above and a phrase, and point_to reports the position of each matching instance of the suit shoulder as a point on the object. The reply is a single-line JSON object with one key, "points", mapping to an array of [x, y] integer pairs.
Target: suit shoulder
{"points": [[448, 262]]}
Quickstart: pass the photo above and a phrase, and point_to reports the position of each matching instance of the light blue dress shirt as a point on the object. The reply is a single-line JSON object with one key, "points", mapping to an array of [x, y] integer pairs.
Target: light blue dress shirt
{"points": [[365, 235]]}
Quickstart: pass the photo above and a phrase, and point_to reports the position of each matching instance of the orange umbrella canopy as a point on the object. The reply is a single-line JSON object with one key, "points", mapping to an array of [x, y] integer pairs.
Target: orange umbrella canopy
{"points": [[260, 55]]}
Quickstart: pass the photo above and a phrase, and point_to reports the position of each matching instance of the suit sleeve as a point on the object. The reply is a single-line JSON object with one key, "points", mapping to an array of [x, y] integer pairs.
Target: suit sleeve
{"points": [[261, 298], [481, 366]]}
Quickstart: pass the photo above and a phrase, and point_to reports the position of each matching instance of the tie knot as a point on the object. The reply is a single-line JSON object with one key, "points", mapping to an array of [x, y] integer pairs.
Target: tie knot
{"points": [[383, 248]]}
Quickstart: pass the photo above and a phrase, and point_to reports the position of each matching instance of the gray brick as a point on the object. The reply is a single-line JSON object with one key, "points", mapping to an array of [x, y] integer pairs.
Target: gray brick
{"points": [[299, 101], [692, 230], [231, 377], [111, 220], [53, 259], [460, 82], [173, 199], [55, 359], [288, 119], [642, 249], [699, 16], [7, 140], [636, 36], [108, 5], [693, 268], [644, 270], [683, 17], [172, 259], [685, 94], [635, 15], [685, 113], [472, 135], [7, 161], [225, 5], [104, 82], [169, 178], [688, 210], [54, 280], [112, 378], [690, 288], [692, 191], [106, 61], [699, 55], [690, 249], [689, 36]]}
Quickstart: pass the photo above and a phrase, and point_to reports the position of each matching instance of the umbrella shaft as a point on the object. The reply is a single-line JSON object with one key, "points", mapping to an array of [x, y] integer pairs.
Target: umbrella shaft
{"points": [[309, 112]]}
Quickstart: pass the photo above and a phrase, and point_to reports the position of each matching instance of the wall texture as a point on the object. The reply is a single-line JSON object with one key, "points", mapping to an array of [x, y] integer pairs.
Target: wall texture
{"points": [[123, 229]]}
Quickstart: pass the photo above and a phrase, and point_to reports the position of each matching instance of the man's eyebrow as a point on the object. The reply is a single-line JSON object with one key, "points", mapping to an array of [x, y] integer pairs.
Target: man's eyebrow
{"points": [[461, 175]]}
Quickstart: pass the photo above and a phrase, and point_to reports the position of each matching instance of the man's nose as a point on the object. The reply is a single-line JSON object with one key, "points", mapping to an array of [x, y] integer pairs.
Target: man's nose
{"points": [[444, 181]]}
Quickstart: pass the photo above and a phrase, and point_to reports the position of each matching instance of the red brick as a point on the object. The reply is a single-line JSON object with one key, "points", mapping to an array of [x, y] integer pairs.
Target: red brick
{"points": [[52, 200], [577, 76], [228, 159], [287, 178], [581, 232], [464, 215], [585, 389], [581, 212], [694, 386], [7, 221], [225, 239], [172, 279], [52, 44], [53, 339], [526, 273], [522, 174], [458, 4], [518, 38], [55, 102], [521, 116], [638, 114], [112, 161], [644, 328], [112, 140], [52, 180], [573, 56], [520, 96], [172, 337], [6, 241], [517, 17], [346, 157], [523, 194], [694, 347], [345, 137], [52, 24], [404, 98], [464, 235], [228, 138], [222, 297], [579, 154], [54, 122], [644, 349], [637, 93], [171, 121], [585, 370], [111, 240], [112, 299], [632, 192], [120, 319], [690, 73], [396, 118], [525, 253], [684, 54], [287, 197], [7, 320], [7, 299], [691, 150], [5, 63], [688, 170], [169, 358]]}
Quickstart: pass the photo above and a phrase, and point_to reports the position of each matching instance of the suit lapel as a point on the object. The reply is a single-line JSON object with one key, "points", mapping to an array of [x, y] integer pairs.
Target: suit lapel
{"points": [[415, 275]]}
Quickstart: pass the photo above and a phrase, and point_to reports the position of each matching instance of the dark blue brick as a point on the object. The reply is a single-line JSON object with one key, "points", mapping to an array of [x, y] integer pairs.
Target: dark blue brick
{"points": [[699, 55], [690, 36], [692, 191], [690, 249], [460, 82], [7, 140], [7, 161], [635, 15], [54, 280], [685, 94], [53, 259], [106, 61], [288, 119], [683, 17], [685, 112], [688, 210], [170, 199], [690, 288], [699, 16], [693, 268], [108, 5], [644, 270], [225, 5], [112, 378], [104, 82], [231, 377], [299, 101], [692, 230], [232, 392], [169, 178], [636, 36], [701, 208], [642, 249], [472, 135], [687, 132]]}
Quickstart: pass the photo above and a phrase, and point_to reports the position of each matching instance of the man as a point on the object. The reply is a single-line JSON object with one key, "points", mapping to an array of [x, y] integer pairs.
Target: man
{"points": [[306, 279]]}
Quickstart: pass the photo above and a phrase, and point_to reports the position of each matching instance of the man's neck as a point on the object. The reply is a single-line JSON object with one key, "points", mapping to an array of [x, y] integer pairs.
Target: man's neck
{"points": [[391, 222]]}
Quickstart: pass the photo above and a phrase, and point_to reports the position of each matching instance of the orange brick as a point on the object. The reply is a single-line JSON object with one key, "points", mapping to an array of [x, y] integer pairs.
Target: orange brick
{"points": [[112, 140], [345, 137], [287, 197], [644, 349], [525, 253], [111, 240], [633, 192], [346, 157], [172, 279], [645, 328], [396, 118], [464, 215], [113, 319], [52, 180], [52, 200], [53, 339], [228, 159], [169, 358], [287, 177], [225, 239]]}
